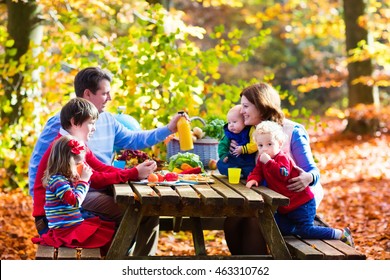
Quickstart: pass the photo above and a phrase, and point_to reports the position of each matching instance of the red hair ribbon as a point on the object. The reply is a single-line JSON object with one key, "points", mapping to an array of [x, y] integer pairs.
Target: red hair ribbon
{"points": [[77, 148]]}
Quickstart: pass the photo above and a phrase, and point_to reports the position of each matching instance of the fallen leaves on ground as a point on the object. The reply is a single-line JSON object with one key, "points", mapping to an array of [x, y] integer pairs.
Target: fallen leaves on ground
{"points": [[354, 173]]}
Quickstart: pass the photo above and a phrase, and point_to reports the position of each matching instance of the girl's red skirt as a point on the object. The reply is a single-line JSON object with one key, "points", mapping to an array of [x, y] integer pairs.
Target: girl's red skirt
{"points": [[91, 233]]}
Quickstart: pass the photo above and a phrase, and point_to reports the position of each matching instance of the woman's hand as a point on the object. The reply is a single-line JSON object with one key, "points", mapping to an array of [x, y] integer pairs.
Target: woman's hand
{"points": [[237, 151], [299, 183], [233, 146], [146, 168]]}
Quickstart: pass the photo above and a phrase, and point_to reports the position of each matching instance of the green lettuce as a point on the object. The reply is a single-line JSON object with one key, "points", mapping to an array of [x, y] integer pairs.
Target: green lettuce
{"points": [[189, 158]]}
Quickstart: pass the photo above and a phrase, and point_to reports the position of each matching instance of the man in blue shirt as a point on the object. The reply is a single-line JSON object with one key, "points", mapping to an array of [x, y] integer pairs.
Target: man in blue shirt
{"points": [[93, 84]]}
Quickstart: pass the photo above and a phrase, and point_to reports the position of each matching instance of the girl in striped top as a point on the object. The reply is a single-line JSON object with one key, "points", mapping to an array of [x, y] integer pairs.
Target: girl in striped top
{"points": [[67, 183]]}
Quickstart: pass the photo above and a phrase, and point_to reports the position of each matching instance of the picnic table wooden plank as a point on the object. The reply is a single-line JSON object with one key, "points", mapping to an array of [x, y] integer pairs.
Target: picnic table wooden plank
{"points": [[329, 252], [188, 195], [271, 197], [230, 196], [126, 232], [123, 194], [302, 250], [46, 253], [251, 198], [272, 235], [65, 253], [197, 236], [208, 195], [351, 253], [167, 194], [90, 254], [145, 194]]}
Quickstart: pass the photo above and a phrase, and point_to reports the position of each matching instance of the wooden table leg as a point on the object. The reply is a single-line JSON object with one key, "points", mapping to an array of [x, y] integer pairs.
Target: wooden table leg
{"points": [[125, 234], [197, 235], [272, 234], [177, 223]]}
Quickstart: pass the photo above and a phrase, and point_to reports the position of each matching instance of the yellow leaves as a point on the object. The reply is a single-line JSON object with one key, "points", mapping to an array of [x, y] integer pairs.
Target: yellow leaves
{"points": [[307, 84], [216, 76], [217, 3], [334, 112]]}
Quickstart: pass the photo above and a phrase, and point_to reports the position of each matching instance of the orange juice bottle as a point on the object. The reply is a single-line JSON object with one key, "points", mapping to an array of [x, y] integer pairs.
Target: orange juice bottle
{"points": [[185, 136]]}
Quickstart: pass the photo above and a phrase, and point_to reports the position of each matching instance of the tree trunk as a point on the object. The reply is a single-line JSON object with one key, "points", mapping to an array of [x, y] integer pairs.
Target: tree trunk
{"points": [[357, 92], [23, 27]]}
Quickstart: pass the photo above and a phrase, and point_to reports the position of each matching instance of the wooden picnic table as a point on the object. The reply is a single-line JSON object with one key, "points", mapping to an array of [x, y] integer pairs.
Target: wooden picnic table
{"points": [[196, 201]]}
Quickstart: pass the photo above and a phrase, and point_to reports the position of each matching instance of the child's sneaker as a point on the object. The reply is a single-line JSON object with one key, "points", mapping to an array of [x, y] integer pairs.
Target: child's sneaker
{"points": [[346, 237]]}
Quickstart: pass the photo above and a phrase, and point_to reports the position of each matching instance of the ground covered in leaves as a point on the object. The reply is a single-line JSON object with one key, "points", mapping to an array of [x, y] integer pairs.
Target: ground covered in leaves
{"points": [[354, 173]]}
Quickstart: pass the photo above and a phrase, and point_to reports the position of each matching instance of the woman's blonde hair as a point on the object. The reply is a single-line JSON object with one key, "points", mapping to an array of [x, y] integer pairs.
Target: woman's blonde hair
{"points": [[273, 128], [267, 101], [64, 153]]}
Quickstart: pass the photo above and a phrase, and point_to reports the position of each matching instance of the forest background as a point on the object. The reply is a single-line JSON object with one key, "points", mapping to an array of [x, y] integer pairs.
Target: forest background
{"points": [[328, 59]]}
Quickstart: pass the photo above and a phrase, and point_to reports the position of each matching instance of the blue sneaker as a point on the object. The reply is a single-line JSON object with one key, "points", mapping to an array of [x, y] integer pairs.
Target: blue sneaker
{"points": [[346, 237]]}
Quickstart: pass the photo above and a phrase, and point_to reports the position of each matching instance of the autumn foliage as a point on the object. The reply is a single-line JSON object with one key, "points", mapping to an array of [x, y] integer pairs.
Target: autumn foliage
{"points": [[355, 176]]}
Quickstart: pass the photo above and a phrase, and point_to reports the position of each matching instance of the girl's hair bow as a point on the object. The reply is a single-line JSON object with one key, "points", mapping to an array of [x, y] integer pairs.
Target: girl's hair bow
{"points": [[77, 148]]}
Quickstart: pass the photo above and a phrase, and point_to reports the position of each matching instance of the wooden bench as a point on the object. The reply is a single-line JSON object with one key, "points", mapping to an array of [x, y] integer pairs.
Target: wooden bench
{"points": [[315, 249], [299, 248], [303, 249], [63, 253]]}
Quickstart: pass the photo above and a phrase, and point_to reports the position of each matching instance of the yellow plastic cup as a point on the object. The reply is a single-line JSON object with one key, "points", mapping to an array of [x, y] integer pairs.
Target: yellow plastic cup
{"points": [[234, 175]]}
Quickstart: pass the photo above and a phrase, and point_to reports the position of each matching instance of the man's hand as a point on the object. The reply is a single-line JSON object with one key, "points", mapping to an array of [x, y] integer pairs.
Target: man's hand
{"points": [[172, 125], [299, 183]]}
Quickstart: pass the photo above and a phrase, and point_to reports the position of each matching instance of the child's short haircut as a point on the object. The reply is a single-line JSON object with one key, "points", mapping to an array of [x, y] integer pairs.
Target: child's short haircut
{"points": [[273, 128], [80, 110]]}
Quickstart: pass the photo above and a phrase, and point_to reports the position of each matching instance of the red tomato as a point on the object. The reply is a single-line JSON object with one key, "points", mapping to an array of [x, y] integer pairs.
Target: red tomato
{"points": [[160, 177], [171, 176]]}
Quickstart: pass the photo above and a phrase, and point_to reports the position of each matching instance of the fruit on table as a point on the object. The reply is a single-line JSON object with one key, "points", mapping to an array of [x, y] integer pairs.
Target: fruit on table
{"points": [[195, 170], [198, 132], [171, 176], [153, 178], [185, 166], [177, 160], [161, 177], [177, 170], [212, 164]]}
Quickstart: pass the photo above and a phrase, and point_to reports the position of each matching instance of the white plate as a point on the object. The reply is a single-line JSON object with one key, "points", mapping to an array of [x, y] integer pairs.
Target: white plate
{"points": [[210, 181], [164, 183]]}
